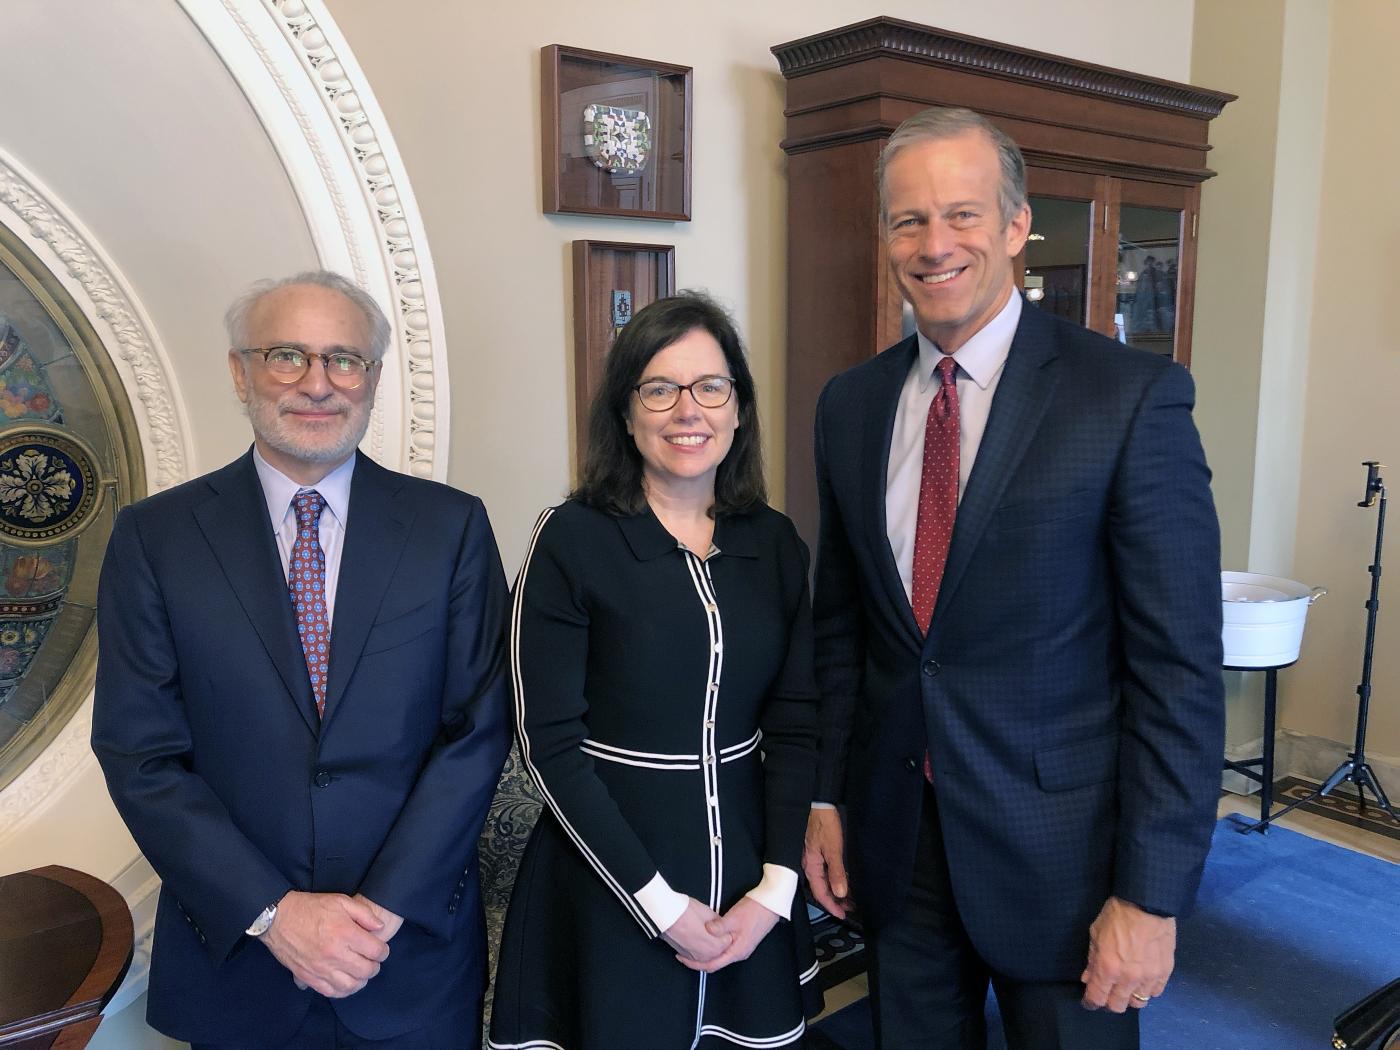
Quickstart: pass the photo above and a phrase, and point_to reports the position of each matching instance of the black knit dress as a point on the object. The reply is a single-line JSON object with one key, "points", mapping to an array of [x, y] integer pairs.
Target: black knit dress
{"points": [[667, 711]]}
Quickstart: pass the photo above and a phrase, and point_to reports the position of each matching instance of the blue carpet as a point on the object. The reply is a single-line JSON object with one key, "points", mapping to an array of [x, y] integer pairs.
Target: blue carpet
{"points": [[1287, 931]]}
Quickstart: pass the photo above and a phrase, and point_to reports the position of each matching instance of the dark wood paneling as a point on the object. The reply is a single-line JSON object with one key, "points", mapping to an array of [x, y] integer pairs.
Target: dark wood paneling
{"points": [[648, 271], [833, 228]]}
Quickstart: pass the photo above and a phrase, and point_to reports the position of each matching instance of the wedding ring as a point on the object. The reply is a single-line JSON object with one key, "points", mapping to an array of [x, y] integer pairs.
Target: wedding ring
{"points": [[1141, 998]]}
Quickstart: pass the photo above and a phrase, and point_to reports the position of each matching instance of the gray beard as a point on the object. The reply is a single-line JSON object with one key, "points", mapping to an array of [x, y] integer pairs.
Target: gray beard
{"points": [[267, 424]]}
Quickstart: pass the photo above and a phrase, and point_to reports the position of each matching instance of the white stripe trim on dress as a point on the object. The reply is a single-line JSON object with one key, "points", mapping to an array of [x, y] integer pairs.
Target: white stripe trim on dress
{"points": [[744, 1040], [628, 901], [733, 751], [636, 761], [704, 588], [662, 760], [639, 754], [533, 1044], [809, 973]]}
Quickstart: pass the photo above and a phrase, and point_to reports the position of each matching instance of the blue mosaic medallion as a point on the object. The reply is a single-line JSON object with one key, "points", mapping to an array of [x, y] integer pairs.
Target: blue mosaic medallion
{"points": [[49, 487]]}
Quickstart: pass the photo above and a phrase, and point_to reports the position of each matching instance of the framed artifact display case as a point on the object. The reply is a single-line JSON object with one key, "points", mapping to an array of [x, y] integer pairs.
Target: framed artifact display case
{"points": [[616, 134], [612, 281]]}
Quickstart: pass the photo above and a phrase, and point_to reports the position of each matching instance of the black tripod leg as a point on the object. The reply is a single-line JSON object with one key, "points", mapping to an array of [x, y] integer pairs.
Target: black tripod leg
{"points": [[1343, 772], [1365, 777]]}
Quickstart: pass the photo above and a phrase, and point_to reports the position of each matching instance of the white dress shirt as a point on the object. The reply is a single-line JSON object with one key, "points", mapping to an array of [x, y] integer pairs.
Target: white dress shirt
{"points": [[980, 361], [280, 492]]}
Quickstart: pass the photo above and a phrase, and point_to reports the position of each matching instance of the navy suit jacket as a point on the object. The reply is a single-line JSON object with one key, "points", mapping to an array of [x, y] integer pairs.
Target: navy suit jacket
{"points": [[1069, 689], [236, 792]]}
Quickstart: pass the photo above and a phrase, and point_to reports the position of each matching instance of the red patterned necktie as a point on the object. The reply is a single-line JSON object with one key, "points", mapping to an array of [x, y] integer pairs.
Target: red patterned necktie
{"points": [[938, 495], [938, 502], [307, 583]]}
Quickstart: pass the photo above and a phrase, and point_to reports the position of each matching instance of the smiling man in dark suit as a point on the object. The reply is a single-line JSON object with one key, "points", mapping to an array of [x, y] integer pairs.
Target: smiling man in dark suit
{"points": [[1017, 607], [301, 709]]}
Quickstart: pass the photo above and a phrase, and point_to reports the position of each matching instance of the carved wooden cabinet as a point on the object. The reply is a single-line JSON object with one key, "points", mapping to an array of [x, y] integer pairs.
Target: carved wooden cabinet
{"points": [[1115, 165]]}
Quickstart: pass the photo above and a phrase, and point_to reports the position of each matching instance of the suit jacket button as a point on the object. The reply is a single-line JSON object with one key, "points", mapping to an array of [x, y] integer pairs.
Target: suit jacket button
{"points": [[323, 779], [931, 668], [911, 764]]}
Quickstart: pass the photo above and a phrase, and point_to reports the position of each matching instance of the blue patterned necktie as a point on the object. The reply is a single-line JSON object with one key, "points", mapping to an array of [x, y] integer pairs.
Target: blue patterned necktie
{"points": [[307, 583]]}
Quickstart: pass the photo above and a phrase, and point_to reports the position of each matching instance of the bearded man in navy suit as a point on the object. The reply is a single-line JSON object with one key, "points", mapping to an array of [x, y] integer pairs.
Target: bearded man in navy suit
{"points": [[1017, 605], [301, 709]]}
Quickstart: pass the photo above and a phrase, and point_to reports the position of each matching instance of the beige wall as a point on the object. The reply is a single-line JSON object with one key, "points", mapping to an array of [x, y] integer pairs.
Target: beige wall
{"points": [[1294, 355], [1350, 410], [1254, 282], [459, 83], [1231, 270]]}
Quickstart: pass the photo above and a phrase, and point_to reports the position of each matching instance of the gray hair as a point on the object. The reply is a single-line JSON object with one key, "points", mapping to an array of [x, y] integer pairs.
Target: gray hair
{"points": [[236, 316], [946, 122]]}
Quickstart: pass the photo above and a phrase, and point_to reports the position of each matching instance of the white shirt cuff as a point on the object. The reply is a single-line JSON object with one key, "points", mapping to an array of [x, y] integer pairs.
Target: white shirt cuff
{"points": [[823, 805], [776, 890], [662, 904]]}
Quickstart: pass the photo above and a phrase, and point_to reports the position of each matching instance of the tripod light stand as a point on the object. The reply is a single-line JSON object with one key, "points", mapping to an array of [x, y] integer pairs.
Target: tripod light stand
{"points": [[1356, 769]]}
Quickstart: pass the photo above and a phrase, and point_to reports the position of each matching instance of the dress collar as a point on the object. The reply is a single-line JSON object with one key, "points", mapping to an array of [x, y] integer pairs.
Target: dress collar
{"points": [[647, 537]]}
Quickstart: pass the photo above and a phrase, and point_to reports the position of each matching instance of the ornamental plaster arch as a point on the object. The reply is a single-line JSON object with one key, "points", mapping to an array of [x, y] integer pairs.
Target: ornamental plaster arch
{"points": [[314, 102], [310, 97]]}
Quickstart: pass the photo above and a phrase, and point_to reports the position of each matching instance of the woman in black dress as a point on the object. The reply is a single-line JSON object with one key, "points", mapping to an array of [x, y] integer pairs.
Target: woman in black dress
{"points": [[661, 648]]}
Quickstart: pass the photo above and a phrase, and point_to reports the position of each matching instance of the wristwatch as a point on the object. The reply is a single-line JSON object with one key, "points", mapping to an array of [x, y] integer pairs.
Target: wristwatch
{"points": [[263, 922]]}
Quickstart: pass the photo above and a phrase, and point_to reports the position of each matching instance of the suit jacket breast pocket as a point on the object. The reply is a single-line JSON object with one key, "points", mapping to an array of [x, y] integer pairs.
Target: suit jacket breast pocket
{"points": [[1079, 764], [1041, 511], [400, 629]]}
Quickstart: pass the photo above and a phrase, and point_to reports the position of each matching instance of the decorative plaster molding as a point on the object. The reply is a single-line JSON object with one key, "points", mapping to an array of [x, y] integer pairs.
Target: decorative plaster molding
{"points": [[107, 301], [277, 72], [342, 153], [69, 754], [365, 136], [77, 260]]}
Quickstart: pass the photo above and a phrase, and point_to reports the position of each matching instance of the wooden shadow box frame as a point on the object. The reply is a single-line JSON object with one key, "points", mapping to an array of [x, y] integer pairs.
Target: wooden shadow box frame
{"points": [[574, 79], [612, 281]]}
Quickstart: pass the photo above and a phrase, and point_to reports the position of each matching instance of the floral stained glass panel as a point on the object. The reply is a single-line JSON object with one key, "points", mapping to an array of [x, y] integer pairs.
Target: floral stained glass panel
{"points": [[68, 458]]}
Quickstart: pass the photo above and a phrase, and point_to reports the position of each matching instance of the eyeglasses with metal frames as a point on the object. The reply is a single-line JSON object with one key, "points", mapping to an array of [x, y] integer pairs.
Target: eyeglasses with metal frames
{"points": [[661, 395], [287, 364]]}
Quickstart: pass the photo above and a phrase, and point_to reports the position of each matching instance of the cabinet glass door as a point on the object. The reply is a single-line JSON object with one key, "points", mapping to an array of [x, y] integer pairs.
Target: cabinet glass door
{"points": [[1149, 259], [1057, 257]]}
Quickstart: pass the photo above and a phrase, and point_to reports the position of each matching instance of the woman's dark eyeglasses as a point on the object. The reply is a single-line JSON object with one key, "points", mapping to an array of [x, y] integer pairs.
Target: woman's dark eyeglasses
{"points": [[661, 395]]}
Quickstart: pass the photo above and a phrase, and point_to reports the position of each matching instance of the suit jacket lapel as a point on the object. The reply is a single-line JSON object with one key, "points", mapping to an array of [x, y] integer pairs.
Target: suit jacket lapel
{"points": [[1023, 393], [375, 532], [875, 458], [236, 524]]}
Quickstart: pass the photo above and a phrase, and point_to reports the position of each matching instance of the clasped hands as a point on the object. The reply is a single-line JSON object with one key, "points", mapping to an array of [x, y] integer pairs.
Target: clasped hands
{"points": [[331, 943], [707, 941]]}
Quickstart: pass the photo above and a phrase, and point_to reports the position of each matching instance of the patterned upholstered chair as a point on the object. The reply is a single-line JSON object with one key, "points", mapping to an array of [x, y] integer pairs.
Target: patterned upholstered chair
{"points": [[513, 813]]}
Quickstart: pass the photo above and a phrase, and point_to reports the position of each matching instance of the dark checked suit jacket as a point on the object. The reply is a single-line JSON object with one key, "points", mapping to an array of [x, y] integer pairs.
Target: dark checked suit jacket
{"points": [[1069, 688], [207, 731]]}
